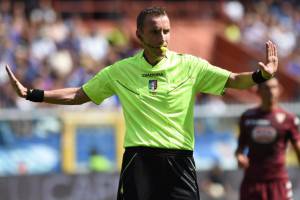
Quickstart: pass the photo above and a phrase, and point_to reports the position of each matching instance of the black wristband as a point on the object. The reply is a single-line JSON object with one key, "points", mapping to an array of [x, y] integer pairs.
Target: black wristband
{"points": [[35, 95], [257, 77]]}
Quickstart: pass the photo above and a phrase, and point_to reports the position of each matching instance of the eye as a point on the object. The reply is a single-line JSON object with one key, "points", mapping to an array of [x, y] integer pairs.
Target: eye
{"points": [[166, 31], [156, 31]]}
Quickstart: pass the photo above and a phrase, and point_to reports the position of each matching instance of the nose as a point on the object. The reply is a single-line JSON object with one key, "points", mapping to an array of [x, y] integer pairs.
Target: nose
{"points": [[162, 38]]}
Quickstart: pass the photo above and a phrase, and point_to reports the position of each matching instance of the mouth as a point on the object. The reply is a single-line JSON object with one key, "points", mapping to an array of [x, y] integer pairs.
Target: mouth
{"points": [[163, 49], [159, 50]]}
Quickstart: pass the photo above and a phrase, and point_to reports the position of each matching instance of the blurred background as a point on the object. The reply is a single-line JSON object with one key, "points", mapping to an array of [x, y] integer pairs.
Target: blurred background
{"points": [[51, 152]]}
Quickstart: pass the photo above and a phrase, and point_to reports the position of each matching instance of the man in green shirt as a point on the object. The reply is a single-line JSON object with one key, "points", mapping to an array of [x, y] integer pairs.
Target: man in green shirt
{"points": [[157, 89]]}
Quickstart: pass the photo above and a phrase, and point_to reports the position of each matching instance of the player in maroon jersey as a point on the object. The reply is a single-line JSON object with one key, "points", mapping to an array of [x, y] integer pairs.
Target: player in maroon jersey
{"points": [[264, 133]]}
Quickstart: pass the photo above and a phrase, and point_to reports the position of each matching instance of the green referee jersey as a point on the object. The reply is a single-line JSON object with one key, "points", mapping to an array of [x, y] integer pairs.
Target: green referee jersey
{"points": [[158, 101]]}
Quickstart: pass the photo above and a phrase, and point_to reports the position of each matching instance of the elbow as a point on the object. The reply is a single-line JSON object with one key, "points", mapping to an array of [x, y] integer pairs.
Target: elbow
{"points": [[78, 102], [239, 81], [234, 82], [80, 97]]}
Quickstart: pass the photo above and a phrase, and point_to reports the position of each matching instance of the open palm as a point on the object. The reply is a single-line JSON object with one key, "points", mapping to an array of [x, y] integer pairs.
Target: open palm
{"points": [[270, 67], [18, 87]]}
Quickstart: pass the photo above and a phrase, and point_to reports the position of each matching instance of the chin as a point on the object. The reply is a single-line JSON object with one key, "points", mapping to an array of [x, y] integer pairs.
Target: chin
{"points": [[162, 54]]}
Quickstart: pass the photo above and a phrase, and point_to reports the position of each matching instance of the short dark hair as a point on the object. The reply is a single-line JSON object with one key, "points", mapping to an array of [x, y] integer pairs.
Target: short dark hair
{"points": [[152, 11]]}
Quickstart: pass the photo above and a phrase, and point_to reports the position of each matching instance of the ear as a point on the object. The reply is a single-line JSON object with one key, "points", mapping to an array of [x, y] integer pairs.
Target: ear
{"points": [[138, 34]]}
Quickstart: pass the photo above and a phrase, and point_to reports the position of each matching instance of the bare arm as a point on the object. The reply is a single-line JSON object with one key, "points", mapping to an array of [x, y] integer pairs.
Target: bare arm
{"points": [[297, 150], [244, 80], [240, 80], [65, 96]]}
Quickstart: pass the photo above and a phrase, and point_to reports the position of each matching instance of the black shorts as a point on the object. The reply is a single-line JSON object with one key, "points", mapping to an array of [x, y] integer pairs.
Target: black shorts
{"points": [[158, 174]]}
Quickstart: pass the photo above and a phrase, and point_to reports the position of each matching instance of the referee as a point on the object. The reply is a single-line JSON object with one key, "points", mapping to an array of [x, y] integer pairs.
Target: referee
{"points": [[157, 89]]}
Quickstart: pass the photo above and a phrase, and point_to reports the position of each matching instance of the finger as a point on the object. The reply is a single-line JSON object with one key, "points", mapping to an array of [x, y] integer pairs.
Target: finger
{"points": [[272, 48], [262, 65], [10, 73], [269, 49]]}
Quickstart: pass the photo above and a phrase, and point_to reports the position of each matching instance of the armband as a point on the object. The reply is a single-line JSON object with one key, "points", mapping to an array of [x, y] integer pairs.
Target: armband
{"points": [[257, 77], [35, 95]]}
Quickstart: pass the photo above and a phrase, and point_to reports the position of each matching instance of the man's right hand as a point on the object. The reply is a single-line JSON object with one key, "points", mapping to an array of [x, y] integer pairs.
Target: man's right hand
{"points": [[18, 87]]}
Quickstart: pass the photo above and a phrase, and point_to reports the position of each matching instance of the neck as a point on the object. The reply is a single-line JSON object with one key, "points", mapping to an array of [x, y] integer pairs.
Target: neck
{"points": [[268, 106], [151, 57]]}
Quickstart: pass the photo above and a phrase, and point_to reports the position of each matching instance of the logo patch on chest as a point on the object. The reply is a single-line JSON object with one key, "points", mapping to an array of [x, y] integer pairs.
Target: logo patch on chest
{"points": [[280, 117], [152, 85], [264, 134]]}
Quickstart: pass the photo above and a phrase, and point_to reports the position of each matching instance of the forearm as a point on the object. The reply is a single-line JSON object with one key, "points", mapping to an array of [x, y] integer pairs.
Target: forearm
{"points": [[240, 80], [65, 96]]}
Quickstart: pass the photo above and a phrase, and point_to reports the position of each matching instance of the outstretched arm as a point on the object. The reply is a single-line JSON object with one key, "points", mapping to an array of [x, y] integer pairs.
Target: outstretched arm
{"points": [[267, 70], [65, 96]]}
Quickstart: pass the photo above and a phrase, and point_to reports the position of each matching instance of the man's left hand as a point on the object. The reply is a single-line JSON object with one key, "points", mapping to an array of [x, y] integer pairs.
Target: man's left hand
{"points": [[269, 69]]}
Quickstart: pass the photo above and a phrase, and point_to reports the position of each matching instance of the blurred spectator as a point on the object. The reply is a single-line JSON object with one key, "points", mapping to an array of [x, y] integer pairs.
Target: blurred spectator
{"points": [[22, 168], [233, 32], [254, 30], [213, 185], [94, 44], [234, 10], [254, 21], [293, 64], [98, 162], [7, 138], [284, 37]]}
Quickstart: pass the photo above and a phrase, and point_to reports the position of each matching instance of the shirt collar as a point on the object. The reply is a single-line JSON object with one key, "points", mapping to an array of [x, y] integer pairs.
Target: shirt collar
{"points": [[141, 54]]}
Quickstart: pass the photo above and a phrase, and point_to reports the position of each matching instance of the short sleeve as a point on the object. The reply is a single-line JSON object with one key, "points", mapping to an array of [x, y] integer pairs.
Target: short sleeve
{"points": [[209, 78], [294, 129], [99, 87]]}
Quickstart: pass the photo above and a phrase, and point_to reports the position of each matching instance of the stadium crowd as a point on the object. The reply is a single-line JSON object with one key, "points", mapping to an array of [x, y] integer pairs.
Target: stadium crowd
{"points": [[253, 22], [48, 51]]}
